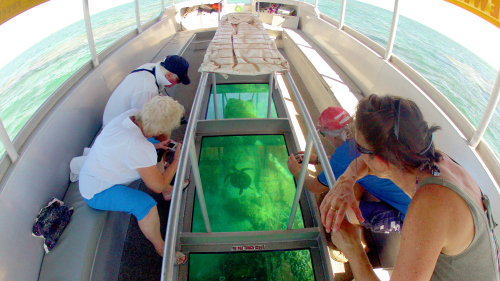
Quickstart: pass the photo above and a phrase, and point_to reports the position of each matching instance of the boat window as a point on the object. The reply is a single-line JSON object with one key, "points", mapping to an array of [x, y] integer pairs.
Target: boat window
{"points": [[111, 24], [241, 101], [459, 57], [41, 55], [371, 21], [329, 8], [249, 265], [246, 184], [149, 9]]}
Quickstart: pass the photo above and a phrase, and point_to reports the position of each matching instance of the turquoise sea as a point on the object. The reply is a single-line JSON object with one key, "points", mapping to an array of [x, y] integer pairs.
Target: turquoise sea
{"points": [[463, 77]]}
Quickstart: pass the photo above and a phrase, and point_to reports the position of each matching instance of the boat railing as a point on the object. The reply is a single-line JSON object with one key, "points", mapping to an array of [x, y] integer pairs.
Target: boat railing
{"points": [[188, 154]]}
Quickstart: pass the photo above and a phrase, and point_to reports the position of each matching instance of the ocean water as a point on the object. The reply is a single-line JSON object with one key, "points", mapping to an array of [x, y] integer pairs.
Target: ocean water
{"points": [[464, 78]]}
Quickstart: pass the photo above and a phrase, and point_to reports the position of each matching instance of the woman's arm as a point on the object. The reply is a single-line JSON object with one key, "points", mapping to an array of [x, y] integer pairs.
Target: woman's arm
{"points": [[428, 227], [157, 181], [341, 197]]}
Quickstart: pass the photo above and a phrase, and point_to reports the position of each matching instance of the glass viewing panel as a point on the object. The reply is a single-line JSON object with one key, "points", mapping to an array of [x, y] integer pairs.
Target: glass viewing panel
{"points": [[30, 78], [246, 183], [278, 265], [241, 101]]}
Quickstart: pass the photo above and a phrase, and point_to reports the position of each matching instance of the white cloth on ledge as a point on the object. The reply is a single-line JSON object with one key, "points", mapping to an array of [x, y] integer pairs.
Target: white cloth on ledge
{"points": [[242, 46]]}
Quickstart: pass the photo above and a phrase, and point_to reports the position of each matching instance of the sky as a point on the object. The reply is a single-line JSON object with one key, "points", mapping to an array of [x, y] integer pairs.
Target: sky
{"points": [[472, 32]]}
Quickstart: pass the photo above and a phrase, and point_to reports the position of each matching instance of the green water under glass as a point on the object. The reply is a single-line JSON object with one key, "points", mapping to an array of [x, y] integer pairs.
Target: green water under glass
{"points": [[247, 187], [246, 183], [278, 265], [241, 101]]}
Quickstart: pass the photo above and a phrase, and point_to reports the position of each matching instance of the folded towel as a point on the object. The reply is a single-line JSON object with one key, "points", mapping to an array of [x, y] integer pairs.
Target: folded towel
{"points": [[76, 165]]}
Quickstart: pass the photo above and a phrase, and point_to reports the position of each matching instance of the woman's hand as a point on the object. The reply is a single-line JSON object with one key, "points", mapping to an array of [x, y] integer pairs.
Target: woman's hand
{"points": [[341, 197], [162, 145], [348, 238]]}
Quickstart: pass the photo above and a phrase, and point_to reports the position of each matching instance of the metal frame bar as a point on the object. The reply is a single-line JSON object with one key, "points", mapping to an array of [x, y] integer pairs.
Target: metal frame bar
{"points": [[199, 188], [90, 34], [270, 100], [300, 182], [312, 131], [214, 93], [175, 204], [488, 114], [7, 143], [342, 14], [392, 35], [138, 16]]}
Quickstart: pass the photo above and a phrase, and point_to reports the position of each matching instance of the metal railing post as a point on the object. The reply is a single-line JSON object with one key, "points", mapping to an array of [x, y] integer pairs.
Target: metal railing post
{"points": [[342, 14], [258, 9], [199, 189], [162, 5], [269, 103], [323, 158], [488, 114], [394, 28], [167, 270], [138, 16], [300, 182], [90, 34], [316, 4], [214, 93], [7, 143]]}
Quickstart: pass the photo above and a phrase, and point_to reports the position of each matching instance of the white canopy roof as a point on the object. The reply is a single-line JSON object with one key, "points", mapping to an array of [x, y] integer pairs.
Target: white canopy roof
{"points": [[242, 46]]}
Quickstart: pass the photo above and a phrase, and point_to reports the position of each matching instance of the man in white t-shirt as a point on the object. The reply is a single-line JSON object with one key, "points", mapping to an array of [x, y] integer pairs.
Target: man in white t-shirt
{"points": [[142, 84]]}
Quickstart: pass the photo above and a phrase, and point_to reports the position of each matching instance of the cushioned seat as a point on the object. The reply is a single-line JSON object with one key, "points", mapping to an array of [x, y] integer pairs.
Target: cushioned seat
{"points": [[73, 256]]}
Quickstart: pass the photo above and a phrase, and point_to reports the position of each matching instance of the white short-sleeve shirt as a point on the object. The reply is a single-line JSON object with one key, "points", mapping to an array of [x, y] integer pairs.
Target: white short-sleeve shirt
{"points": [[135, 90], [117, 153]]}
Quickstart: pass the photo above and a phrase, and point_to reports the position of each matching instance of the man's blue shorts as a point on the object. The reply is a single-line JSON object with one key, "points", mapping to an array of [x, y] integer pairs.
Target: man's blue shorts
{"points": [[380, 217], [121, 198]]}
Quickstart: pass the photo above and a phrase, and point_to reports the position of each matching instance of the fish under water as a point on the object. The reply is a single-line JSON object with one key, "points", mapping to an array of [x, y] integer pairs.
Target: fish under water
{"points": [[239, 179]]}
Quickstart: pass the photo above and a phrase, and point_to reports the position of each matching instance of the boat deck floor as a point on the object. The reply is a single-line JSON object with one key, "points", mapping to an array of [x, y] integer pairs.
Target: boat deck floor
{"points": [[139, 260]]}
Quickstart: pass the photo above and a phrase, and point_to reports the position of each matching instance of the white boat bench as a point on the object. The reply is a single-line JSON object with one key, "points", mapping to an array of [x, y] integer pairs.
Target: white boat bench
{"points": [[90, 247], [327, 84]]}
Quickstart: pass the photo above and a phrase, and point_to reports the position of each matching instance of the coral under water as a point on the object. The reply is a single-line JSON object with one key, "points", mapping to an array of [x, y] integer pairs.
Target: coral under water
{"points": [[246, 185], [278, 265]]}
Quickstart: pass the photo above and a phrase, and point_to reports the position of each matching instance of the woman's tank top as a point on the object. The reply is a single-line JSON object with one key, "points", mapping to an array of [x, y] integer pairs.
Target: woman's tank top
{"points": [[479, 261]]}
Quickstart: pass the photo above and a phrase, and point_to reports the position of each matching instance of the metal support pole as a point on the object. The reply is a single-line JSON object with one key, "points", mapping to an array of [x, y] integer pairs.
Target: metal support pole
{"points": [[488, 114], [300, 182], [342, 14], [258, 9], [323, 158], [167, 270], [138, 16], [392, 35], [270, 100], [316, 4], [199, 189], [162, 5], [7, 143], [90, 35], [214, 93], [220, 7]]}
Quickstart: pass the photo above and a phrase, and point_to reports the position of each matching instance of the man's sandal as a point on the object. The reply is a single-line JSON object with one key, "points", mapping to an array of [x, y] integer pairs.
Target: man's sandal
{"points": [[180, 258]]}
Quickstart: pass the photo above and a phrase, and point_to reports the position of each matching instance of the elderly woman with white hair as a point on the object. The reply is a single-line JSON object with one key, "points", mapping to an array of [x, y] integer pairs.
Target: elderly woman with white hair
{"points": [[122, 154]]}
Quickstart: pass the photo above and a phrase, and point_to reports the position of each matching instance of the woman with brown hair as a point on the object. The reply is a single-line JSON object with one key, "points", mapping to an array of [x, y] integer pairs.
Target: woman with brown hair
{"points": [[447, 234]]}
